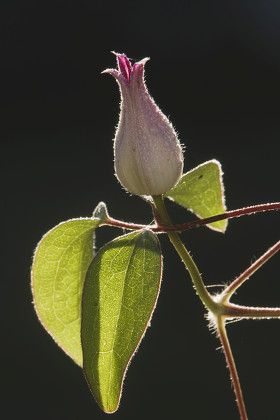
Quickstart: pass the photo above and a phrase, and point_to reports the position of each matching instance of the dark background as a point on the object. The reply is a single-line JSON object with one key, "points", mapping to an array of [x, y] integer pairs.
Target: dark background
{"points": [[214, 70]]}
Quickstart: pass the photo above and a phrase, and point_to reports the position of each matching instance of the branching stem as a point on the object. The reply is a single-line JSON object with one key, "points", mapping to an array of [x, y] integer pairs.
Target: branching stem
{"points": [[221, 308], [201, 290]]}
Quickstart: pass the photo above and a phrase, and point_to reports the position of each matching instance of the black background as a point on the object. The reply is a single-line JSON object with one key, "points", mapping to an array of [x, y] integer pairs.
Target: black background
{"points": [[214, 70]]}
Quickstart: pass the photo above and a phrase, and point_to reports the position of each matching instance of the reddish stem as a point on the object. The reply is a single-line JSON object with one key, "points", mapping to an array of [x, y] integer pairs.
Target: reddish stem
{"points": [[196, 223], [229, 215], [228, 292], [232, 368], [230, 310]]}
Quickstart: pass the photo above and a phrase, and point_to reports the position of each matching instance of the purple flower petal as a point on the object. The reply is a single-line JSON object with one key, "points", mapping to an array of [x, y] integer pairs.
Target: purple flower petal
{"points": [[124, 66]]}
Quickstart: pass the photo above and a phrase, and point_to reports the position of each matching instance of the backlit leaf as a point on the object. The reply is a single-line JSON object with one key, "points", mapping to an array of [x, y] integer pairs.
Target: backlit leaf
{"points": [[201, 191], [59, 267], [120, 293]]}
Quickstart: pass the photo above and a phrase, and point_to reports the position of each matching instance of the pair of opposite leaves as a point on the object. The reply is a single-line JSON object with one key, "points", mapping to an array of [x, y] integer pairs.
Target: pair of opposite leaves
{"points": [[97, 307]]}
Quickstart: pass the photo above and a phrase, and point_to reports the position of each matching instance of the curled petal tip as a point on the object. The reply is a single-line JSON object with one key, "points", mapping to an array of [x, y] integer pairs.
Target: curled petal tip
{"points": [[113, 72], [124, 68], [143, 61]]}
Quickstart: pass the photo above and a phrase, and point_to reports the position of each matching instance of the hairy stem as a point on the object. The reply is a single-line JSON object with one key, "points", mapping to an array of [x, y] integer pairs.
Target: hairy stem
{"points": [[228, 292], [196, 223], [220, 323], [229, 215], [201, 290], [230, 310]]}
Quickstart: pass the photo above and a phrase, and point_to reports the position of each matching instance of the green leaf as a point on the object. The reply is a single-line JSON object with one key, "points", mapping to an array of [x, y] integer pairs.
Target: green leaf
{"points": [[201, 191], [59, 267], [120, 294]]}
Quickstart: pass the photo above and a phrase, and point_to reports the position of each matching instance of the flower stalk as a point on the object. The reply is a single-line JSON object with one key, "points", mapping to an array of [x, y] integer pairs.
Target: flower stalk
{"points": [[201, 290], [220, 309]]}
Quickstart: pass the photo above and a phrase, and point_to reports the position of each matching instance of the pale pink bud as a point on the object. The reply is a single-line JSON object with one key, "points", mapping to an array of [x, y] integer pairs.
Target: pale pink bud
{"points": [[148, 155]]}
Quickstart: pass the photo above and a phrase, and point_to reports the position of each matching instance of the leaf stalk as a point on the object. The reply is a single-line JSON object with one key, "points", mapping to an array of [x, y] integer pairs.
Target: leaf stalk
{"points": [[164, 228]]}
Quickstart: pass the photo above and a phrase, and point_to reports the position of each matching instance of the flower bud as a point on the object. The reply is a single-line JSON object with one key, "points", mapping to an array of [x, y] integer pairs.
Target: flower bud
{"points": [[148, 155]]}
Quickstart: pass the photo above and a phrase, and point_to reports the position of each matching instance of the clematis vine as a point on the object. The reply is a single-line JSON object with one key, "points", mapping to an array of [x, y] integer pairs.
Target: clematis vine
{"points": [[97, 305], [147, 152]]}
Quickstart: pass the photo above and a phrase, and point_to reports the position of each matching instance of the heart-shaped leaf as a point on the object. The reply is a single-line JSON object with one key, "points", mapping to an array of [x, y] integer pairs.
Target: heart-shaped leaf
{"points": [[201, 191], [58, 272], [120, 294]]}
